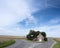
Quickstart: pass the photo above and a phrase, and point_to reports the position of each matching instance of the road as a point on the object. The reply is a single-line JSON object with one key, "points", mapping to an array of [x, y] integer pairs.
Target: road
{"points": [[27, 44]]}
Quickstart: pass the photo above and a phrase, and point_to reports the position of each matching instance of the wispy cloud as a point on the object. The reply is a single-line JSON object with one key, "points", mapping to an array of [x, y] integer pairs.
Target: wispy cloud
{"points": [[54, 3], [54, 21]]}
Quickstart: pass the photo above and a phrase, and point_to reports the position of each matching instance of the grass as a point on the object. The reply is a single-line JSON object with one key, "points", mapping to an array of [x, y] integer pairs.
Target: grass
{"points": [[6, 43], [57, 45], [8, 40], [12, 37]]}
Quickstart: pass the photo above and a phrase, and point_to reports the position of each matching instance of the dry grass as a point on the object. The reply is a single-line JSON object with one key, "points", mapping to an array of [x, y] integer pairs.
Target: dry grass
{"points": [[12, 37], [57, 39], [6, 41], [57, 45], [5, 38]]}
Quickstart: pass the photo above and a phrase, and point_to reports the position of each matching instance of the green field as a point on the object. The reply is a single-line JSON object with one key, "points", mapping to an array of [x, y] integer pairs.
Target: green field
{"points": [[6, 43], [9, 40], [57, 45]]}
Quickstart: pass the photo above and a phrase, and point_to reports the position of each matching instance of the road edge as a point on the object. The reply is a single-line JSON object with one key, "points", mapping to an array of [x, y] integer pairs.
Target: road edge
{"points": [[53, 44]]}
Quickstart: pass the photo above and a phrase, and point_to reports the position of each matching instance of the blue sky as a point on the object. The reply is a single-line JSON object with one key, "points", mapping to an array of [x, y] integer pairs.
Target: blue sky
{"points": [[17, 17]]}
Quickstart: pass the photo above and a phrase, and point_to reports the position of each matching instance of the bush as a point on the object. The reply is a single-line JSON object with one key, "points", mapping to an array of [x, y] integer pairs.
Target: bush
{"points": [[30, 37], [45, 39]]}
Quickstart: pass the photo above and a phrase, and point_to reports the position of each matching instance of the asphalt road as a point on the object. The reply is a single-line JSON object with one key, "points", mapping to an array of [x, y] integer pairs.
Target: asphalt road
{"points": [[27, 44]]}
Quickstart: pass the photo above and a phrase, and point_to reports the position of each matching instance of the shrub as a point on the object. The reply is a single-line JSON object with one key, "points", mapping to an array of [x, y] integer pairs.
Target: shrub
{"points": [[45, 39]]}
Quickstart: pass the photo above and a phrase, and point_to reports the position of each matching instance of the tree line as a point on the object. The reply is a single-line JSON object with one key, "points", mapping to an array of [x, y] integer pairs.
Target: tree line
{"points": [[33, 34]]}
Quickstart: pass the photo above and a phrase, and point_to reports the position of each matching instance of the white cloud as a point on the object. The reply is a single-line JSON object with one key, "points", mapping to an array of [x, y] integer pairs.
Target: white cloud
{"points": [[31, 20], [54, 21], [16, 31], [51, 31], [12, 12]]}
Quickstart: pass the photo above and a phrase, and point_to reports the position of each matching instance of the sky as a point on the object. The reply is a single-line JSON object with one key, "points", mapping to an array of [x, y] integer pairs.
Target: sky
{"points": [[17, 17]]}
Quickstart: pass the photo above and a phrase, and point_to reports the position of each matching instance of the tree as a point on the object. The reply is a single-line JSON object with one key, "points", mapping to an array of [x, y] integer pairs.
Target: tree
{"points": [[38, 32], [29, 37], [32, 34], [44, 34]]}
